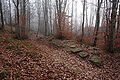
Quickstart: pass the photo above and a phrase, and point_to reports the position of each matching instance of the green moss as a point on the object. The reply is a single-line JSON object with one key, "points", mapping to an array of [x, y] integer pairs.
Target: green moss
{"points": [[77, 50], [96, 60], [77, 70], [8, 41], [17, 75], [73, 46], [83, 54], [68, 41]]}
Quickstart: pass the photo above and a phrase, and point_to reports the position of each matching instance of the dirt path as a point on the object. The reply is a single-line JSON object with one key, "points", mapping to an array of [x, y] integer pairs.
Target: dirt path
{"points": [[48, 63], [74, 67]]}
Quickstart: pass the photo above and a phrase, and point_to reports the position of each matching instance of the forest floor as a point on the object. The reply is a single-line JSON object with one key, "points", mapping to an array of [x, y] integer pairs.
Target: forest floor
{"points": [[46, 58]]}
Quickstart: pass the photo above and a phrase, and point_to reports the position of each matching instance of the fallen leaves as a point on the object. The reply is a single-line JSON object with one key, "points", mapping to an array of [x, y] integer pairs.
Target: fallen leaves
{"points": [[31, 60]]}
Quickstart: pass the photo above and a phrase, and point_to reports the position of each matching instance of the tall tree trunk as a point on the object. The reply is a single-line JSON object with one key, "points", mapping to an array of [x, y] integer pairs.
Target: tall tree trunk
{"points": [[118, 23], [111, 35], [72, 16], [10, 16], [84, 3], [2, 19], [59, 10], [23, 26], [97, 22], [17, 28]]}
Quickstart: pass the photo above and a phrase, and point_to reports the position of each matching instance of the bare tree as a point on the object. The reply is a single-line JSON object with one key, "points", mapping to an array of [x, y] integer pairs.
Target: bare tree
{"points": [[28, 15], [118, 23], [16, 4], [10, 15], [2, 19], [112, 26], [97, 22], [84, 3]]}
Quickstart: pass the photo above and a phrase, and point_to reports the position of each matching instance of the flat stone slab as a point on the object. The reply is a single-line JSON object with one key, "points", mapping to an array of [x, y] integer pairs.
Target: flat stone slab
{"points": [[83, 54]]}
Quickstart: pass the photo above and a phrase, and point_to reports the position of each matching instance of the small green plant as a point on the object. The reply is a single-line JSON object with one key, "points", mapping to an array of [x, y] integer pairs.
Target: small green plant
{"points": [[3, 75], [17, 74], [68, 41], [8, 41]]}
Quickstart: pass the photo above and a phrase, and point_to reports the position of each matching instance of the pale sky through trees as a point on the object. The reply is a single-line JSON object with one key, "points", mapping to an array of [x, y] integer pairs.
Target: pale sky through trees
{"points": [[79, 4], [90, 8]]}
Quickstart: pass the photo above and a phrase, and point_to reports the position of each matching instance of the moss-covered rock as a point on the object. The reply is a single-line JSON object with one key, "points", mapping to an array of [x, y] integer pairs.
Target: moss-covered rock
{"points": [[83, 54], [77, 50], [72, 46], [77, 70], [96, 60], [68, 41], [95, 48]]}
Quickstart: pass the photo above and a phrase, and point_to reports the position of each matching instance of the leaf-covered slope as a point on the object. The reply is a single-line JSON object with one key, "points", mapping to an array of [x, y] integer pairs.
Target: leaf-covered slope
{"points": [[31, 60]]}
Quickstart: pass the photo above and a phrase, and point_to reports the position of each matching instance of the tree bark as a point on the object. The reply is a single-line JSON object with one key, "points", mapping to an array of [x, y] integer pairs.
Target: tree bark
{"points": [[97, 22], [2, 19], [111, 35], [84, 3]]}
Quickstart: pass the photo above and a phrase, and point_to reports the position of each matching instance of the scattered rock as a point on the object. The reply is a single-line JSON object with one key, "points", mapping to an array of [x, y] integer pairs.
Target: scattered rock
{"points": [[77, 70], [94, 48], [77, 50], [72, 46], [83, 54], [96, 60]]}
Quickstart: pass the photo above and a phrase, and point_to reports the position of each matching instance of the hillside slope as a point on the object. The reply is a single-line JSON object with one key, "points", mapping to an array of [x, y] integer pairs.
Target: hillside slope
{"points": [[50, 59]]}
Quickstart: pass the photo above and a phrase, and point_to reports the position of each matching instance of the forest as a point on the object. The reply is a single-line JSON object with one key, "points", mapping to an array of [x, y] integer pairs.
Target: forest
{"points": [[59, 40]]}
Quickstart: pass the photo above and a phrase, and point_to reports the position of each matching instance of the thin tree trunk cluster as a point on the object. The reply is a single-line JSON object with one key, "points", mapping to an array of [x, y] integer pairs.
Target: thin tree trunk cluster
{"points": [[60, 18]]}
